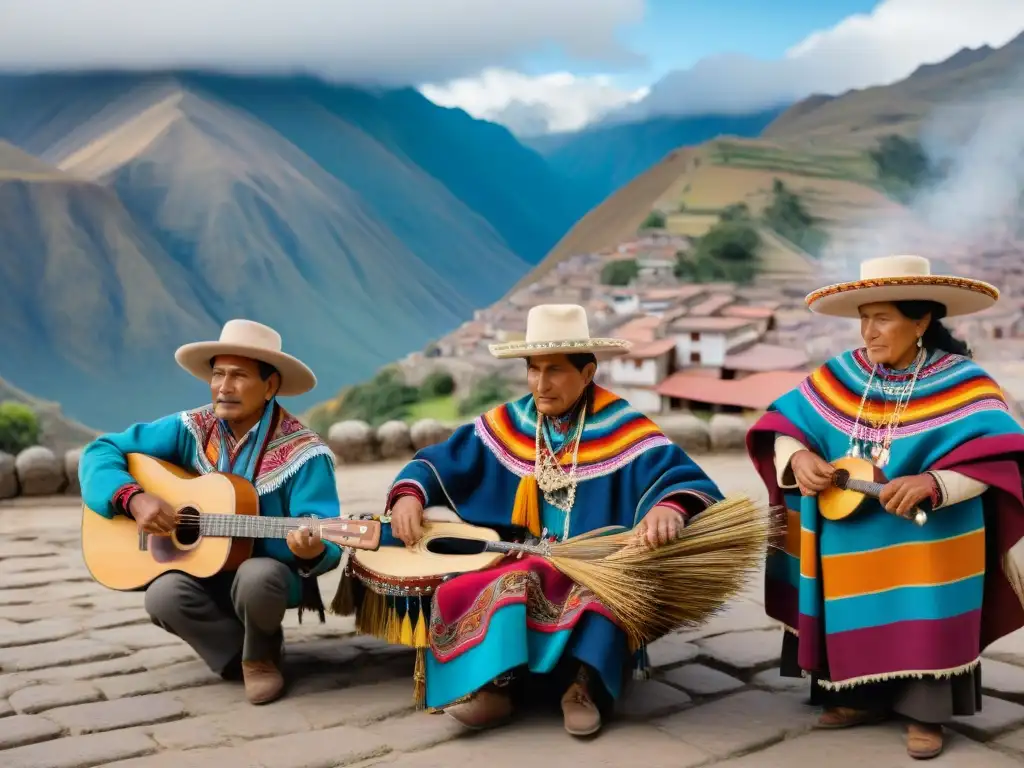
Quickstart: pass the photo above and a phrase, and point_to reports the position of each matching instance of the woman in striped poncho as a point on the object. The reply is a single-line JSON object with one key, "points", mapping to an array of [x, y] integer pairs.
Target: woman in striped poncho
{"points": [[887, 617]]}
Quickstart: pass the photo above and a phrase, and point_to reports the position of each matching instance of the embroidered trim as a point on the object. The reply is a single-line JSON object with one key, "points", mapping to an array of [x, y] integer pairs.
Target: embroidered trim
{"points": [[918, 674], [290, 446], [123, 497], [827, 393], [406, 488], [521, 586], [588, 472], [586, 345], [886, 282]]}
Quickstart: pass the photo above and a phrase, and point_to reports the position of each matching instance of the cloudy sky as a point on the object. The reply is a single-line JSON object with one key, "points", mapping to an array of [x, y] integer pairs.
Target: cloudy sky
{"points": [[537, 65]]}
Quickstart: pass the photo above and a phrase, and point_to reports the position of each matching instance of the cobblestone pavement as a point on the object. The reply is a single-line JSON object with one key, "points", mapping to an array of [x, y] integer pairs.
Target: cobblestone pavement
{"points": [[86, 680]]}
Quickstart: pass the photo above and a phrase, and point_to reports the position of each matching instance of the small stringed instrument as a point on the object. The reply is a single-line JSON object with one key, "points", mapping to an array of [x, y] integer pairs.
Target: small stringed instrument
{"points": [[217, 521], [855, 480], [449, 547]]}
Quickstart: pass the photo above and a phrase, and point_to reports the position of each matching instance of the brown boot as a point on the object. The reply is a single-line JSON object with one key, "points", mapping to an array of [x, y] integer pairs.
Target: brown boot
{"points": [[263, 681], [579, 711], [487, 708], [845, 717], [924, 741]]}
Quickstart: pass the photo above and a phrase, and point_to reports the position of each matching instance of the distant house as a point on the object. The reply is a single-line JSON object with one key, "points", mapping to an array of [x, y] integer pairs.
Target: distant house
{"points": [[763, 315], [636, 376], [714, 304], [661, 300], [706, 341], [624, 302], [639, 330], [652, 266]]}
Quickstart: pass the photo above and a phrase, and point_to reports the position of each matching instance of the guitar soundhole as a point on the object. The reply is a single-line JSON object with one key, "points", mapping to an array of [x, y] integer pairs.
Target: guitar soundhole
{"points": [[187, 532], [445, 545]]}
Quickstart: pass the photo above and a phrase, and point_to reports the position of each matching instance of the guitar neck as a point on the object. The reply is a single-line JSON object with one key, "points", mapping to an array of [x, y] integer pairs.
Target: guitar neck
{"points": [[864, 486], [252, 526]]}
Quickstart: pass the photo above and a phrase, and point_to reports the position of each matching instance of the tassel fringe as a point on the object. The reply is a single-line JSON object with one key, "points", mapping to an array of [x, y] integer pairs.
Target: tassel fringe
{"points": [[419, 677], [641, 663], [526, 509], [938, 674], [398, 621], [344, 602]]}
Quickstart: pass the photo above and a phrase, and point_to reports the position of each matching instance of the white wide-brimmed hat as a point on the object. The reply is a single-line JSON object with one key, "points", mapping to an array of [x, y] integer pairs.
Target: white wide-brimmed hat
{"points": [[256, 341], [902, 278], [553, 329]]}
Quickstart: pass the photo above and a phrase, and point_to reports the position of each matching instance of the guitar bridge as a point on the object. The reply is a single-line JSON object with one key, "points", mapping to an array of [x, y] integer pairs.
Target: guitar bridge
{"points": [[143, 541]]}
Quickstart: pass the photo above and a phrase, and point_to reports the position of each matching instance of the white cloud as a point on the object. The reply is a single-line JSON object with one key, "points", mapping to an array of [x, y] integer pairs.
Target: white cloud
{"points": [[862, 50], [559, 101], [384, 41], [877, 48]]}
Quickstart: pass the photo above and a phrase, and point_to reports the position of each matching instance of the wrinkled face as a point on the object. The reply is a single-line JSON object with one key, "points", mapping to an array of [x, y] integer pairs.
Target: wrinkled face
{"points": [[555, 383], [238, 391], [890, 336]]}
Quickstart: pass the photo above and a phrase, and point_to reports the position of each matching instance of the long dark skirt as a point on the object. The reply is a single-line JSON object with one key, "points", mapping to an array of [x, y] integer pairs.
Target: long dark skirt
{"points": [[926, 700]]}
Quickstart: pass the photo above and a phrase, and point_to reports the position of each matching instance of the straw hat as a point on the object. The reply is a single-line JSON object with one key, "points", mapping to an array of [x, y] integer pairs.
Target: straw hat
{"points": [[553, 329], [256, 341], [902, 278]]}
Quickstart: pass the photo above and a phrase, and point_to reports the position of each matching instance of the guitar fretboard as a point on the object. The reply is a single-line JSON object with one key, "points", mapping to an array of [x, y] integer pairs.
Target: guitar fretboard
{"points": [[252, 526], [865, 486]]}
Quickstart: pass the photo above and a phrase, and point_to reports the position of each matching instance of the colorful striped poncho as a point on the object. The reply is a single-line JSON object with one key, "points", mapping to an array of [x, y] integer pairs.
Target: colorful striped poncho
{"points": [[890, 599], [523, 612]]}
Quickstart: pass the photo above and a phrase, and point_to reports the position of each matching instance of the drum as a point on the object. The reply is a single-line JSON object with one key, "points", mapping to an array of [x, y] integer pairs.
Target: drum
{"points": [[393, 585]]}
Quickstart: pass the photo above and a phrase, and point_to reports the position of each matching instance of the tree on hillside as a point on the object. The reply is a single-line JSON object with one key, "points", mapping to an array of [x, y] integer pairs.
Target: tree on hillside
{"points": [[735, 212], [787, 215], [19, 427], [654, 220], [902, 166], [727, 251], [488, 391], [437, 384], [385, 397], [619, 272]]}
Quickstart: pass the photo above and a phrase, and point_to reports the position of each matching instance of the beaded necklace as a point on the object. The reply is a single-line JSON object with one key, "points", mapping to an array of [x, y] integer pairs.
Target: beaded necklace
{"points": [[557, 484], [864, 441]]}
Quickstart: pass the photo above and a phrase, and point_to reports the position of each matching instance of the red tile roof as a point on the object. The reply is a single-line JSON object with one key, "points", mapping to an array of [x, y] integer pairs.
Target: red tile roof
{"points": [[649, 349], [756, 392], [752, 313], [668, 294], [638, 330], [708, 324], [766, 357]]}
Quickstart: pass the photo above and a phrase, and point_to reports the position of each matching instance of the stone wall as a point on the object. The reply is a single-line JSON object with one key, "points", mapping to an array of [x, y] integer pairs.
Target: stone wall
{"points": [[38, 471], [355, 442]]}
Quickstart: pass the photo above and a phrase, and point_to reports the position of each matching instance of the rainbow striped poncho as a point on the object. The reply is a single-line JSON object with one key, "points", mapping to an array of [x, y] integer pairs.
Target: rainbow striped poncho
{"points": [[524, 613], [887, 598]]}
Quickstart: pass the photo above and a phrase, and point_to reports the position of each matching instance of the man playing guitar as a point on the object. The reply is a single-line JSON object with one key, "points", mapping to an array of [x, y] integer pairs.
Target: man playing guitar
{"points": [[233, 619]]}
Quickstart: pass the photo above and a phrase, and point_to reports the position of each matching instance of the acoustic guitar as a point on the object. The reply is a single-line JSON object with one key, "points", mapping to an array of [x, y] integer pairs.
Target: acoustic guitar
{"points": [[855, 480], [217, 521]]}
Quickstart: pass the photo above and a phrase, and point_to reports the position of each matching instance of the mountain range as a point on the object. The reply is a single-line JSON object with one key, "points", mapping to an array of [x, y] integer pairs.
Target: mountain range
{"points": [[139, 211]]}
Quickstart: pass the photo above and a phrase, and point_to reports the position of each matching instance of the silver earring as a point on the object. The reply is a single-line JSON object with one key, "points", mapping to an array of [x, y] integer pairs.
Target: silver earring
{"points": [[920, 342]]}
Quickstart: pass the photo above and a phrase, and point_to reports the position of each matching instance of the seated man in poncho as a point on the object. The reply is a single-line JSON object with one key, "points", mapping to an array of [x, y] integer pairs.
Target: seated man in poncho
{"points": [[566, 459]]}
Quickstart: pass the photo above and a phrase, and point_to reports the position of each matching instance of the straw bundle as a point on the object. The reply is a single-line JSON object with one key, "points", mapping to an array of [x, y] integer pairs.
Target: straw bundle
{"points": [[655, 591]]}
